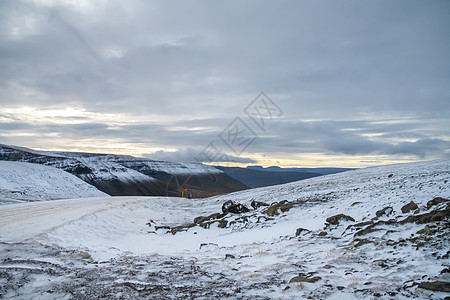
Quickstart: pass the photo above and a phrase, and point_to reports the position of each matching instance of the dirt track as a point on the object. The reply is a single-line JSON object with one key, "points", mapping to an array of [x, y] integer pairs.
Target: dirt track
{"points": [[38, 217]]}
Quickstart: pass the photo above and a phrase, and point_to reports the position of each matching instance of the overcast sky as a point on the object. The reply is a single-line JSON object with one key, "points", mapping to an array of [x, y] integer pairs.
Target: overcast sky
{"points": [[346, 83]]}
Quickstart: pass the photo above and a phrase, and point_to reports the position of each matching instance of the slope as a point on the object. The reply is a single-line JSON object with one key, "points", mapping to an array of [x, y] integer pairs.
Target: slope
{"points": [[31, 182], [352, 235]]}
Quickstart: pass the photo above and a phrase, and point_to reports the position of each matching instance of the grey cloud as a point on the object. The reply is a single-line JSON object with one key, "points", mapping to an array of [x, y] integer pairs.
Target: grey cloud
{"points": [[194, 155], [346, 64]]}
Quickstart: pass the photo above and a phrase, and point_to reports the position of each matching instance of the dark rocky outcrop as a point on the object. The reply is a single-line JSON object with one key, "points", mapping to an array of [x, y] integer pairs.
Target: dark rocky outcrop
{"points": [[300, 230], [367, 230], [334, 220], [235, 208], [436, 201], [437, 286], [432, 216], [222, 223], [409, 207], [385, 211], [283, 206], [214, 216], [304, 278], [257, 204], [273, 210]]}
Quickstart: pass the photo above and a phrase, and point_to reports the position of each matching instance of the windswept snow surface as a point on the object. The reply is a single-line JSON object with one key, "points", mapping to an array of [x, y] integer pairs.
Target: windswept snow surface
{"points": [[21, 182], [119, 248]]}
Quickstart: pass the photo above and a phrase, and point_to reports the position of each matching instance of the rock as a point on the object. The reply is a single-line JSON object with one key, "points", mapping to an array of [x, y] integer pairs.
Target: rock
{"points": [[360, 242], [206, 225], [161, 227], [437, 286], [85, 255], [222, 223], [432, 216], [235, 208], [408, 207], [426, 230], [368, 229], [340, 287], [256, 204], [334, 220], [385, 211], [302, 278], [176, 229], [300, 230], [229, 256], [322, 233], [214, 216], [436, 201], [286, 206], [273, 211]]}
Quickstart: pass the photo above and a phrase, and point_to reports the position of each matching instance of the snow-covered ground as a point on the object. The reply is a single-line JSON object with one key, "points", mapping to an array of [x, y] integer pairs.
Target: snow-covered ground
{"points": [[21, 182], [123, 247]]}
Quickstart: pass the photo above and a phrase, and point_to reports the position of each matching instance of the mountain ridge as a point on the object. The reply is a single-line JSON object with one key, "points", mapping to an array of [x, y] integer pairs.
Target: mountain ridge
{"points": [[124, 175]]}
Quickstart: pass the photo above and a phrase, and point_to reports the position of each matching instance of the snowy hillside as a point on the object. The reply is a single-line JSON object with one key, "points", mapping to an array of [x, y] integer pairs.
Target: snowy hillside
{"points": [[371, 233], [21, 182], [122, 175]]}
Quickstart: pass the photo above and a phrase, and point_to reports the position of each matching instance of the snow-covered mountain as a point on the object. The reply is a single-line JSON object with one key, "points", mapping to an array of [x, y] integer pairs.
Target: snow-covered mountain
{"points": [[379, 232], [23, 182], [121, 175]]}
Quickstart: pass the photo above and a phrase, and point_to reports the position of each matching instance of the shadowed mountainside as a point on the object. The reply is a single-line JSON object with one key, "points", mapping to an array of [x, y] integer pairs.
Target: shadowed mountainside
{"points": [[122, 175]]}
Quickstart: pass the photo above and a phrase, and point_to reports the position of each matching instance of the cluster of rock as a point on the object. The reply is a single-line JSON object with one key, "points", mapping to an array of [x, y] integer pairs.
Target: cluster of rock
{"points": [[434, 216], [234, 213]]}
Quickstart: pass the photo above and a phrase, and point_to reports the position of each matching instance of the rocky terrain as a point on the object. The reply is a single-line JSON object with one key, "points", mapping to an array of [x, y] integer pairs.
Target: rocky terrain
{"points": [[375, 233]]}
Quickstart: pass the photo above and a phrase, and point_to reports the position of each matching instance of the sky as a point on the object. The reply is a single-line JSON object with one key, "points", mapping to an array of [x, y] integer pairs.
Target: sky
{"points": [[287, 83]]}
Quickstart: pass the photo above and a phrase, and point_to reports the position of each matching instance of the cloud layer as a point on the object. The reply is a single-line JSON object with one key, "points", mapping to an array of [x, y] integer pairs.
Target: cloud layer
{"points": [[353, 79]]}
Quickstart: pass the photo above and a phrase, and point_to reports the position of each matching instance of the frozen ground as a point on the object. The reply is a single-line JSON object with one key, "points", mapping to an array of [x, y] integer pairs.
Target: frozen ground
{"points": [[150, 247]]}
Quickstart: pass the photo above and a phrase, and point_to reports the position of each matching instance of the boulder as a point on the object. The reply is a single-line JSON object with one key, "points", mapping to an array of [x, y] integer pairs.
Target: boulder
{"points": [[235, 208], [286, 206], [302, 278], [385, 211], [437, 286], [334, 220], [300, 230], [432, 216], [436, 201], [273, 211], [214, 216], [222, 223], [256, 204], [409, 207]]}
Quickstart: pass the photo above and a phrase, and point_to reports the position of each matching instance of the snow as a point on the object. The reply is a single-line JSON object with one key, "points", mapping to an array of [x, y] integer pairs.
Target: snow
{"points": [[106, 160], [258, 258], [21, 181]]}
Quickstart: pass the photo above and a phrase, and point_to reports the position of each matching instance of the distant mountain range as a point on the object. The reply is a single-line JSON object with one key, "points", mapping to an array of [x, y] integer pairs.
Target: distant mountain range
{"points": [[322, 171], [122, 175], [257, 176]]}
